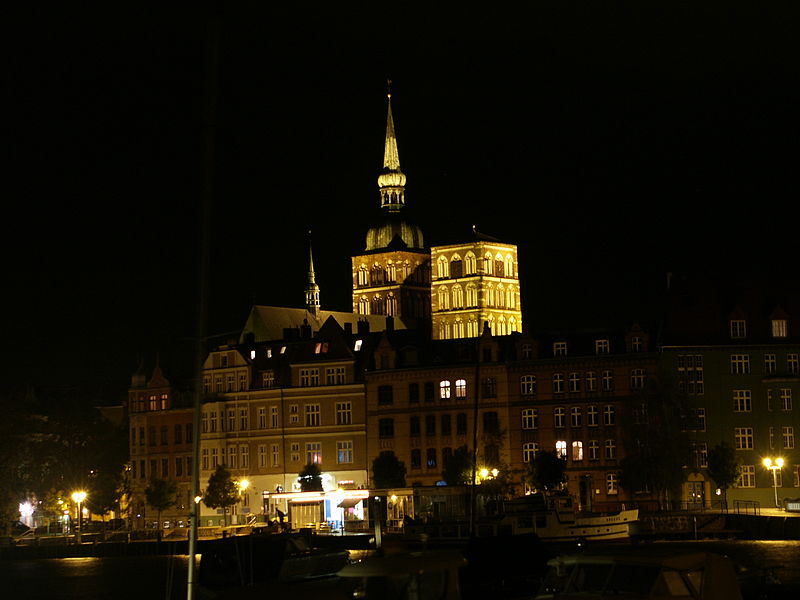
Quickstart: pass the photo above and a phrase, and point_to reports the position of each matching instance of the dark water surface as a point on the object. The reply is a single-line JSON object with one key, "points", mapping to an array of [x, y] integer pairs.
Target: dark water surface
{"points": [[163, 577]]}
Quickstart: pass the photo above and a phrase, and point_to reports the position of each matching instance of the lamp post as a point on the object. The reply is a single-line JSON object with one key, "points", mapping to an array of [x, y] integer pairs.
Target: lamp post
{"points": [[78, 498], [243, 485], [774, 466]]}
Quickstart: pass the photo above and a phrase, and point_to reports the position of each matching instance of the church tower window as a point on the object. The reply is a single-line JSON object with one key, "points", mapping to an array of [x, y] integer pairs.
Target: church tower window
{"points": [[470, 264]]}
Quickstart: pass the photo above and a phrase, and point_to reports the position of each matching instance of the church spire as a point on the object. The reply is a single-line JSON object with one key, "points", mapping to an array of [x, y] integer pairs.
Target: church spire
{"points": [[312, 289], [391, 181]]}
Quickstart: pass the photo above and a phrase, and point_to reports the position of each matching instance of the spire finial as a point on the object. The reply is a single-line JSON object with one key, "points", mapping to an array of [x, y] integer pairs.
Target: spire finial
{"points": [[388, 88]]}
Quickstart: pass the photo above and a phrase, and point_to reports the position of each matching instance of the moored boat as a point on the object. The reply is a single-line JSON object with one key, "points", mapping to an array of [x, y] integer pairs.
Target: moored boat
{"points": [[557, 520]]}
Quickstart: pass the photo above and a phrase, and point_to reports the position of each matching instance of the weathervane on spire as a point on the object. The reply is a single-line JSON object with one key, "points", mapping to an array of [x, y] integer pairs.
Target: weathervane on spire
{"points": [[388, 88]]}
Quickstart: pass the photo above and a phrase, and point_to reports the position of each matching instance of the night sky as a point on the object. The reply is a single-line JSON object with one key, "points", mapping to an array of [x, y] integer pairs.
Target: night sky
{"points": [[612, 146]]}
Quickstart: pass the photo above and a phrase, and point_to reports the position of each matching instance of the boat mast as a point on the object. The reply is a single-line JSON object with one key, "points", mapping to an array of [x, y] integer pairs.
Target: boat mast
{"points": [[209, 123]]}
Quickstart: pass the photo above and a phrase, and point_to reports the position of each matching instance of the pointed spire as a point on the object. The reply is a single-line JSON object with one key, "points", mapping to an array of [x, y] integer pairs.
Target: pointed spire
{"points": [[391, 158], [312, 289], [391, 181]]}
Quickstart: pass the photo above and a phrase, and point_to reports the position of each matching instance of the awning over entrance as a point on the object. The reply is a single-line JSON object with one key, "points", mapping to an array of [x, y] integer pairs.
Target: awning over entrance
{"points": [[349, 502]]}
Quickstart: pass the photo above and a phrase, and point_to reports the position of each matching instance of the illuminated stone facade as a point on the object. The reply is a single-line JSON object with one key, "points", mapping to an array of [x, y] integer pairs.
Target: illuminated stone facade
{"points": [[472, 284]]}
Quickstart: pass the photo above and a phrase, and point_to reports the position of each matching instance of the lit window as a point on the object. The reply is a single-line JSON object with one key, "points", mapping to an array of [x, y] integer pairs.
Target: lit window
{"points": [[577, 450], [314, 453], [779, 329], [461, 388], [612, 484], [358, 344], [344, 452], [561, 449], [444, 389]]}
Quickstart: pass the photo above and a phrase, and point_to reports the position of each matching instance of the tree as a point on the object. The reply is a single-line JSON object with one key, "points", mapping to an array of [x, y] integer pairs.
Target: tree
{"points": [[222, 491], [656, 444], [458, 467], [161, 494], [547, 471], [723, 468], [310, 478], [388, 471]]}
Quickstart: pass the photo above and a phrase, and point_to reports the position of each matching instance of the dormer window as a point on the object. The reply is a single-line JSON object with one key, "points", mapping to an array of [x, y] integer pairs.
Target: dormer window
{"points": [[560, 349], [358, 344], [269, 352], [779, 329], [602, 346], [738, 329]]}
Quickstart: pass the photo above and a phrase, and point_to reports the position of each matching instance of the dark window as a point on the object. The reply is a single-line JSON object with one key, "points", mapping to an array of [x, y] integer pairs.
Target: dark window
{"points": [[164, 433], [499, 268], [416, 458], [413, 392], [461, 423], [489, 387], [385, 394], [151, 438], [429, 392], [431, 458], [456, 268], [188, 433], [446, 425], [178, 433], [447, 454], [491, 454], [178, 467], [490, 422], [430, 425], [414, 427], [386, 428], [165, 468]]}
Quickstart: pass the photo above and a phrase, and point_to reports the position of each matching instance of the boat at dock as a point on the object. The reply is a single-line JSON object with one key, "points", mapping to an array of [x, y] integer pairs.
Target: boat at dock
{"points": [[555, 519]]}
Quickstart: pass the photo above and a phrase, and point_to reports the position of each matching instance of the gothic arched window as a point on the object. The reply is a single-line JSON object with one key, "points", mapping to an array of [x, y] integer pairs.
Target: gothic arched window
{"points": [[469, 264]]}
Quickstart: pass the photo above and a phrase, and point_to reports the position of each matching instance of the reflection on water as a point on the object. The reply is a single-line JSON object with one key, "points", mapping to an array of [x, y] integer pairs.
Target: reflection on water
{"points": [[160, 577]]}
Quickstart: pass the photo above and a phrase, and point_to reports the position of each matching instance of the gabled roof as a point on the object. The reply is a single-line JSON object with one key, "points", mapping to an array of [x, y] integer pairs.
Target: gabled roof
{"points": [[267, 323]]}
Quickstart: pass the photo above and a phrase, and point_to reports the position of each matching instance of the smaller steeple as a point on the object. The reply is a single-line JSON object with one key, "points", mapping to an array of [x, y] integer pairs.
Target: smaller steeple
{"points": [[312, 289]]}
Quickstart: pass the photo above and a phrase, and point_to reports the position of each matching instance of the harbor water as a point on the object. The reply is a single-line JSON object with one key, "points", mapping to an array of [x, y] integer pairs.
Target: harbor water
{"points": [[164, 577]]}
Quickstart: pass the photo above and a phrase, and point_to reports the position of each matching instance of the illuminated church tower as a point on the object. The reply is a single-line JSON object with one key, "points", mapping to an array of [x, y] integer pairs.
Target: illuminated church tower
{"points": [[475, 282], [392, 275]]}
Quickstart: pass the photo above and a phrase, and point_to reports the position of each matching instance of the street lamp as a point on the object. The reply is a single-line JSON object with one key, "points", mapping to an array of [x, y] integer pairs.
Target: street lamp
{"points": [[243, 485], [78, 498], [774, 466]]}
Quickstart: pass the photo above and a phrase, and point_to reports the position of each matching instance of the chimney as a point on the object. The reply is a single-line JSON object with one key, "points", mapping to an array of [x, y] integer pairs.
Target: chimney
{"points": [[305, 330], [363, 327], [348, 328], [390, 323]]}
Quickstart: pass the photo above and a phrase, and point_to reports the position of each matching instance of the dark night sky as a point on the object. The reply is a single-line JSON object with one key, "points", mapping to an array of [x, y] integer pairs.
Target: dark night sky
{"points": [[611, 145]]}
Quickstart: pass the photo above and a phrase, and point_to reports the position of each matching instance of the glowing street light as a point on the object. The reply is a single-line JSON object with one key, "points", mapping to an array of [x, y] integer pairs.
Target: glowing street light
{"points": [[78, 498], [774, 466]]}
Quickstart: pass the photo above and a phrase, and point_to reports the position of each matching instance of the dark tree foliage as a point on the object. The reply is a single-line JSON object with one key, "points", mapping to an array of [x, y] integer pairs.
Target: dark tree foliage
{"points": [[161, 495], [546, 472], [458, 467], [723, 468], [388, 471], [310, 478], [656, 446], [221, 491]]}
